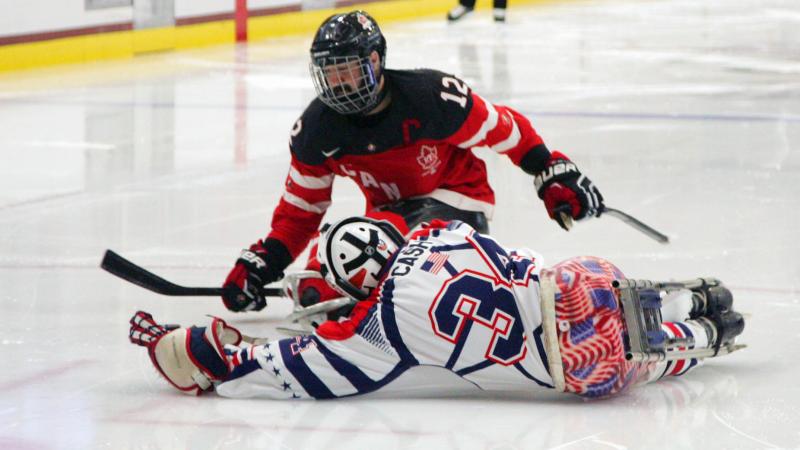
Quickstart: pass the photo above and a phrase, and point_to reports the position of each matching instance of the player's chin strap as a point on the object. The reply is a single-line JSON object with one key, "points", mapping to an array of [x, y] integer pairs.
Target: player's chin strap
{"points": [[304, 318], [547, 299]]}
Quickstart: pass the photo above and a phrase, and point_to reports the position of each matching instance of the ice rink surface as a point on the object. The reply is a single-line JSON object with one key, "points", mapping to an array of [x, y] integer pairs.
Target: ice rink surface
{"points": [[684, 113]]}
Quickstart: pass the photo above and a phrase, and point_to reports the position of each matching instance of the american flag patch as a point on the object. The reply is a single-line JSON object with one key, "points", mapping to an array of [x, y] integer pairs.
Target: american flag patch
{"points": [[435, 262]]}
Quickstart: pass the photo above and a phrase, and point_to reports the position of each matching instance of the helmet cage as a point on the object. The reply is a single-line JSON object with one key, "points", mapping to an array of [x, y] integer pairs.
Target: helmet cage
{"points": [[367, 250], [345, 76], [346, 84]]}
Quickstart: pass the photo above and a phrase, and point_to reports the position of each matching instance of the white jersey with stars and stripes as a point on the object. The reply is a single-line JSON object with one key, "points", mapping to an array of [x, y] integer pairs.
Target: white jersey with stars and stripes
{"points": [[450, 298]]}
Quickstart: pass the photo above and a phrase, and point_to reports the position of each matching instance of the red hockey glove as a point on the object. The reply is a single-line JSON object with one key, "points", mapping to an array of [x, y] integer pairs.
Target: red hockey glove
{"points": [[262, 264], [565, 189]]}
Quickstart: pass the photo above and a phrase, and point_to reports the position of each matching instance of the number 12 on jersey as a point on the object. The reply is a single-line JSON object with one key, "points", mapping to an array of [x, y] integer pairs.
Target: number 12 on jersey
{"points": [[460, 87]]}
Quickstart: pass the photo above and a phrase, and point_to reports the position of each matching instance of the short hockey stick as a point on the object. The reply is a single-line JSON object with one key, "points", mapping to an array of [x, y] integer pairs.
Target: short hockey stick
{"points": [[627, 218], [128, 271]]}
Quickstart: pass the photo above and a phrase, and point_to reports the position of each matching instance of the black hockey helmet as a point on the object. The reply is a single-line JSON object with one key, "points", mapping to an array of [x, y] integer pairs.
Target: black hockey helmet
{"points": [[341, 67]]}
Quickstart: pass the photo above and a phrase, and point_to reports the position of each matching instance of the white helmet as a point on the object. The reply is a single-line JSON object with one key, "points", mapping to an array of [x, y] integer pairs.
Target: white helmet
{"points": [[353, 251]]}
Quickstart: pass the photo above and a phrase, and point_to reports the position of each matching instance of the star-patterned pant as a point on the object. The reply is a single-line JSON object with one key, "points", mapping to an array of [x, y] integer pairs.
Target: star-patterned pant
{"points": [[310, 367]]}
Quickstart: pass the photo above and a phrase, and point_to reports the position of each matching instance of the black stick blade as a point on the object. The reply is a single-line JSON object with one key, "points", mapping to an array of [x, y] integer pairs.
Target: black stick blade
{"points": [[116, 265]]}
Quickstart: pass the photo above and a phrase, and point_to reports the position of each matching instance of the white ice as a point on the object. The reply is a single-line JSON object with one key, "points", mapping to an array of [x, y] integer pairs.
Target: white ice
{"points": [[685, 113]]}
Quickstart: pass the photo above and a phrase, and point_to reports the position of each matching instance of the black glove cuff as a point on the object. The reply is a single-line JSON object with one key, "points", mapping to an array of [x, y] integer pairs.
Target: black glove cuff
{"points": [[277, 255], [535, 160]]}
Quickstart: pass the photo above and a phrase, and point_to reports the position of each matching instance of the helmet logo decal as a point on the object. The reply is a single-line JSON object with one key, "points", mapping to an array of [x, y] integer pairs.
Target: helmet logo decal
{"points": [[365, 23]]}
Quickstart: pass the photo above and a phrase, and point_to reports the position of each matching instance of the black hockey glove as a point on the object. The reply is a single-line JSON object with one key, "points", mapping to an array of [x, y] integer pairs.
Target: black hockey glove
{"points": [[262, 264], [566, 192]]}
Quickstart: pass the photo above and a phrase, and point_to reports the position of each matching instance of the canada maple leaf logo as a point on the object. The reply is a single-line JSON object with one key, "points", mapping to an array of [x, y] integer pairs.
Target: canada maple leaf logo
{"points": [[428, 159]]}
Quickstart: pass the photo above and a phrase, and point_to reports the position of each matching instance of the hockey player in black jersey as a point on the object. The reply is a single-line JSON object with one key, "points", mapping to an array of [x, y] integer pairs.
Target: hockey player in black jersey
{"points": [[406, 138]]}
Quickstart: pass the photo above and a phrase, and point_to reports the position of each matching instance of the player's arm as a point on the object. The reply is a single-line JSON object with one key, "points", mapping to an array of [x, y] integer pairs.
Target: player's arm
{"points": [[306, 196], [305, 199], [559, 183], [217, 356]]}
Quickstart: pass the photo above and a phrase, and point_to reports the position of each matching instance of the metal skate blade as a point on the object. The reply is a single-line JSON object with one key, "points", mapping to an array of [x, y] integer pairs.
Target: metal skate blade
{"points": [[731, 348]]}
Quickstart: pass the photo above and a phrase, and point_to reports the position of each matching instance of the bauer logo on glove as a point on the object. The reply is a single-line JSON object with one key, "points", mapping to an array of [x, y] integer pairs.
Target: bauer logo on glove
{"points": [[567, 193], [253, 258]]}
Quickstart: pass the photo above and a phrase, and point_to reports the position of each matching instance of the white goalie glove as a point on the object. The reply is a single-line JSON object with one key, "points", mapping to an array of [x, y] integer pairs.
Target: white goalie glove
{"points": [[191, 359]]}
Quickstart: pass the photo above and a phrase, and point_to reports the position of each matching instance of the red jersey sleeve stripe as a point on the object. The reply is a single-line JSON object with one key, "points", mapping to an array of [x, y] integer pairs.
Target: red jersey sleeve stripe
{"points": [[528, 137], [501, 131], [472, 124], [510, 138], [487, 124], [306, 192], [310, 181], [299, 202], [308, 195], [308, 187]]}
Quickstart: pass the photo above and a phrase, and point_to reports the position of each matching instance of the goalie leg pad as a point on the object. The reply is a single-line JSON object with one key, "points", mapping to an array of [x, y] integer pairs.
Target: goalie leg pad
{"points": [[190, 359]]}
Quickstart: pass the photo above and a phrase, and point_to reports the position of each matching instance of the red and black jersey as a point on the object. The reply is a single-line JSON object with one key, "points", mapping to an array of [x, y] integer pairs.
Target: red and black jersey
{"points": [[420, 146]]}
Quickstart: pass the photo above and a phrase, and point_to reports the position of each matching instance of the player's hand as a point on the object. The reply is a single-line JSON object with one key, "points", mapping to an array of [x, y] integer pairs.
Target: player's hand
{"points": [[316, 290], [145, 331], [244, 286], [567, 193]]}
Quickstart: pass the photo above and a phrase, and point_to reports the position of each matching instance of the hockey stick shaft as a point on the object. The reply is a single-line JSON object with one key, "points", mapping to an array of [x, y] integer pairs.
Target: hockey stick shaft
{"points": [[651, 232], [116, 265], [636, 223]]}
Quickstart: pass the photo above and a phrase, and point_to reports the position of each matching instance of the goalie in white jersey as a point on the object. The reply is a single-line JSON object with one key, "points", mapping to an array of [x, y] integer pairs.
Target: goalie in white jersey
{"points": [[449, 297]]}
